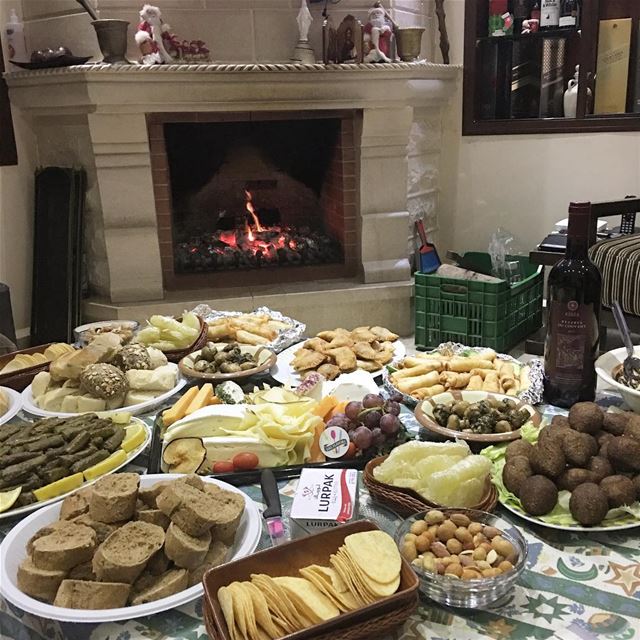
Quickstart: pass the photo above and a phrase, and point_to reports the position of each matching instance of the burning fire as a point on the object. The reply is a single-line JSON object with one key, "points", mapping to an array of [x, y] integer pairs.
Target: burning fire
{"points": [[249, 207]]}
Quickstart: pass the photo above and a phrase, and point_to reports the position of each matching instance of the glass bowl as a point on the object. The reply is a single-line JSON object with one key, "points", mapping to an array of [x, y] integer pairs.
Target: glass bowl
{"points": [[452, 591]]}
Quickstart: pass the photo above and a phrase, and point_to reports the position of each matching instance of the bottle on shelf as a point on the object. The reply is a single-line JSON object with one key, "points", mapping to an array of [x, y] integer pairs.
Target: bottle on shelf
{"points": [[521, 10], [569, 11], [549, 14], [16, 46], [573, 303]]}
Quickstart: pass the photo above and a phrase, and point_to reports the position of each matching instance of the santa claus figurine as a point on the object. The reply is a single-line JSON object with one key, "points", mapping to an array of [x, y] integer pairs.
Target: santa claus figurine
{"points": [[154, 37], [377, 35]]}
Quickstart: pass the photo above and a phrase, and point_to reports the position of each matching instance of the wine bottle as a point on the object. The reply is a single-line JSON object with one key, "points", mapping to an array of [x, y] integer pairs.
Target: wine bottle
{"points": [[521, 11], [549, 14], [568, 14], [573, 302]]}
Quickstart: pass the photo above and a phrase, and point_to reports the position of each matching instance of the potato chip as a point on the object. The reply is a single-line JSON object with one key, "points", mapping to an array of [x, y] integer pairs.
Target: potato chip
{"points": [[237, 598], [225, 598], [344, 572], [310, 600], [376, 554], [376, 589], [322, 577], [261, 609], [278, 601]]}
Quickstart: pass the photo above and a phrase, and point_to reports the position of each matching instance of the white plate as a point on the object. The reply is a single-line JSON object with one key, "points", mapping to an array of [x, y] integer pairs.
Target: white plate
{"points": [[15, 404], [606, 363], [283, 371], [12, 513], [13, 551], [577, 527], [30, 406]]}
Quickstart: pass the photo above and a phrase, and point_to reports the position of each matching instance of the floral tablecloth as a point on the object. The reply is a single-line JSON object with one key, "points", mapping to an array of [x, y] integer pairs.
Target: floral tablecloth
{"points": [[575, 586]]}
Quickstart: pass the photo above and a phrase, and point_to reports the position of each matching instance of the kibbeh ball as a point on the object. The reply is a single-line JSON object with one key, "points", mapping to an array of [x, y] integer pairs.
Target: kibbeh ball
{"points": [[586, 417], [518, 448], [515, 472], [589, 504], [578, 448], [624, 453], [547, 459], [571, 478], [632, 430], [615, 423], [620, 490], [538, 495], [600, 467]]}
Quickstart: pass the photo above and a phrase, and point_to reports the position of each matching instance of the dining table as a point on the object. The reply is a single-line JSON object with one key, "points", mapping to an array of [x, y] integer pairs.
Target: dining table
{"points": [[575, 585]]}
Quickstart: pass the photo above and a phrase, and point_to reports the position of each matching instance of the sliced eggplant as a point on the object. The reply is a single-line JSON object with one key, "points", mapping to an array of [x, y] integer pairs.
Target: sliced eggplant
{"points": [[184, 455]]}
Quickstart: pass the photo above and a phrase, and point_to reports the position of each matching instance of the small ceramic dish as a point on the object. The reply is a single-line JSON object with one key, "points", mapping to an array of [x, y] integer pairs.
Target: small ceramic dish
{"points": [[608, 366], [424, 415], [470, 594], [265, 360], [86, 332]]}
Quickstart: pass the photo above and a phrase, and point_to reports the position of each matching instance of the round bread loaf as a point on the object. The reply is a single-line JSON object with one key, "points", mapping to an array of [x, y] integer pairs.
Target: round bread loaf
{"points": [[114, 497], [123, 556], [64, 548], [186, 551], [39, 583]]}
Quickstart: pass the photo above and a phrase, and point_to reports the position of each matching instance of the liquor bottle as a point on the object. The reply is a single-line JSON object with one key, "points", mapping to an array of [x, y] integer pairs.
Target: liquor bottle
{"points": [[568, 14], [549, 14], [573, 302]]}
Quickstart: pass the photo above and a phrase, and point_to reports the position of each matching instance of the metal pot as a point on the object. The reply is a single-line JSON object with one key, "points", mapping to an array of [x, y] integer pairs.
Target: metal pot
{"points": [[408, 42], [112, 38]]}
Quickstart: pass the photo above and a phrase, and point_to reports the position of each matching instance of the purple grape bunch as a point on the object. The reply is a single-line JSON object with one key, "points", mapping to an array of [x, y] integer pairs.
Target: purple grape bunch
{"points": [[371, 423]]}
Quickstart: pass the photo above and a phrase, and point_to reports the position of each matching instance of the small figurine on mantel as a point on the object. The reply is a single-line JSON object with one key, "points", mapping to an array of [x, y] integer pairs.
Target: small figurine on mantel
{"points": [[158, 45], [377, 35]]}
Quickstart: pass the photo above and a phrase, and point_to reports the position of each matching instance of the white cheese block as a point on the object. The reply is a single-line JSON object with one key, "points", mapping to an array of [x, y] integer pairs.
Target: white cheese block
{"points": [[160, 379], [40, 383], [158, 359], [89, 403], [52, 400], [138, 397], [70, 404]]}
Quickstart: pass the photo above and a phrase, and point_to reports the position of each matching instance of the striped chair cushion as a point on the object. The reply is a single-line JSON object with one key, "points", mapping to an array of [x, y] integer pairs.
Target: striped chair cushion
{"points": [[619, 262]]}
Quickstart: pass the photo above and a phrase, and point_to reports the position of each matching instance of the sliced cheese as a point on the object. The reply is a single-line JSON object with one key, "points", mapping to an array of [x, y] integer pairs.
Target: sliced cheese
{"points": [[208, 421], [201, 399], [160, 379], [179, 409]]}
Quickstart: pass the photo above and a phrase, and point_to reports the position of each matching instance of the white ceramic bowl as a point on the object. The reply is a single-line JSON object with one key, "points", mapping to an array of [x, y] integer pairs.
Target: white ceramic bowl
{"points": [[15, 404], [606, 363], [13, 552]]}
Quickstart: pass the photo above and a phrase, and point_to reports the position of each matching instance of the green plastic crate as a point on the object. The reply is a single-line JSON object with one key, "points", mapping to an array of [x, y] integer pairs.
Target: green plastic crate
{"points": [[478, 314]]}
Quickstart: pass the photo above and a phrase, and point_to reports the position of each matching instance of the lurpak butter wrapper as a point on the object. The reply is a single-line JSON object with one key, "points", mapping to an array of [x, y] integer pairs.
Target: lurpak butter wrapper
{"points": [[324, 498]]}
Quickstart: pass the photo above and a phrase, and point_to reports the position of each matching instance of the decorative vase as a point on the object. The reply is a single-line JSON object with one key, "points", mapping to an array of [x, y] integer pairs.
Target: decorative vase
{"points": [[303, 52], [112, 38], [409, 42]]}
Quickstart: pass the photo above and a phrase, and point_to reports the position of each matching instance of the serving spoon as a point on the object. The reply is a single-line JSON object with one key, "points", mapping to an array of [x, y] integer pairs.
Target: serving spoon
{"points": [[631, 364]]}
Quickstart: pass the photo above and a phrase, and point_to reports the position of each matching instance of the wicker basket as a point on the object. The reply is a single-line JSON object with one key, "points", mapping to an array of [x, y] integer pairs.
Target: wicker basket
{"points": [[374, 627], [175, 355], [405, 502], [22, 378]]}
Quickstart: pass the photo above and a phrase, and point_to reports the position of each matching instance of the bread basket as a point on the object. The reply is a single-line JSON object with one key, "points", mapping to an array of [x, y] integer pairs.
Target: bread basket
{"points": [[371, 621], [22, 378], [405, 502]]}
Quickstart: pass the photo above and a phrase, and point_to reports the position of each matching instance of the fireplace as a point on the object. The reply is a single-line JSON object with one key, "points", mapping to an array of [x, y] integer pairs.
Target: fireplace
{"points": [[255, 198]]}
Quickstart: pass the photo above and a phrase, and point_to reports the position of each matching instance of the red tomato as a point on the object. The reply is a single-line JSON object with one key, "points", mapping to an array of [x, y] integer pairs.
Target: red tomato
{"points": [[222, 466], [351, 452], [245, 461]]}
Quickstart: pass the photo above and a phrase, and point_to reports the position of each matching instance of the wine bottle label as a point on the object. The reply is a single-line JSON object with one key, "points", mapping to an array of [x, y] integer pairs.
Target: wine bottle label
{"points": [[549, 13], [573, 331]]}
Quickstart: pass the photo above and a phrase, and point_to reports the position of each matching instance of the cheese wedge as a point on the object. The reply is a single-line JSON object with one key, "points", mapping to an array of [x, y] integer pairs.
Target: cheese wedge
{"points": [[201, 399], [179, 409]]}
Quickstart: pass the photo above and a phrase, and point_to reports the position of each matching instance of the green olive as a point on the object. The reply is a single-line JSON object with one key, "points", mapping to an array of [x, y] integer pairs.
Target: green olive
{"points": [[453, 422], [502, 426]]}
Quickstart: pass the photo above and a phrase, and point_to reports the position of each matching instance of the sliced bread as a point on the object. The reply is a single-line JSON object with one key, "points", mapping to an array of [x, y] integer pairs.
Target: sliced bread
{"points": [[186, 551], [170, 582], [41, 584], [124, 554], [194, 511], [64, 548], [73, 506], [230, 509], [216, 555], [114, 497], [82, 594], [154, 516]]}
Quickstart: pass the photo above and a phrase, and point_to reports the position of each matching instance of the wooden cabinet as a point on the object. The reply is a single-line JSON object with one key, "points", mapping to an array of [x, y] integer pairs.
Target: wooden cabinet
{"points": [[514, 84]]}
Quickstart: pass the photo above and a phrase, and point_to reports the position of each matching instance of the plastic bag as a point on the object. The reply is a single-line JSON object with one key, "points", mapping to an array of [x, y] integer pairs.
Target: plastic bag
{"points": [[503, 251]]}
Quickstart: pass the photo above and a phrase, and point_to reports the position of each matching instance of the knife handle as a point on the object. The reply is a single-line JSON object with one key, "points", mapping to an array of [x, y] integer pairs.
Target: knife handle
{"points": [[270, 493]]}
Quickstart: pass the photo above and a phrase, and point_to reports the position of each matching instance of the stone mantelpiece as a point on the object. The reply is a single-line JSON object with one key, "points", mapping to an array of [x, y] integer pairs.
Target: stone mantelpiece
{"points": [[95, 116]]}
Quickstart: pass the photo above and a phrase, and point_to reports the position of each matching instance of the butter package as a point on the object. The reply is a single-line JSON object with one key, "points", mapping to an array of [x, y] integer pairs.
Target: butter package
{"points": [[324, 498]]}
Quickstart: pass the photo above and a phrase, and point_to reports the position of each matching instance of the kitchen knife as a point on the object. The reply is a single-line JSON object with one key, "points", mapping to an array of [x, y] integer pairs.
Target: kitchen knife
{"points": [[272, 513]]}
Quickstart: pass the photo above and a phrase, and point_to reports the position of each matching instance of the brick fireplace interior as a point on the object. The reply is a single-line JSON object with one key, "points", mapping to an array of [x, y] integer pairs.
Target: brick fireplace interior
{"points": [[245, 199]]}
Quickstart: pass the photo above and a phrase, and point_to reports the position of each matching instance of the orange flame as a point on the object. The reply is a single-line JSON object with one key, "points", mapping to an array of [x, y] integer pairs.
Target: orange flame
{"points": [[252, 211]]}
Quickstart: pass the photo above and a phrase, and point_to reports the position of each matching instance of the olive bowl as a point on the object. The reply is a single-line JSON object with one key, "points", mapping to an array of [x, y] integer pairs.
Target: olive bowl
{"points": [[265, 360], [424, 413]]}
